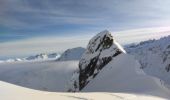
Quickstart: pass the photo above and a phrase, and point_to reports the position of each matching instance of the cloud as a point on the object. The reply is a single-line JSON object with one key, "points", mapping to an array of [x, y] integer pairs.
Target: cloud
{"points": [[33, 14], [30, 15]]}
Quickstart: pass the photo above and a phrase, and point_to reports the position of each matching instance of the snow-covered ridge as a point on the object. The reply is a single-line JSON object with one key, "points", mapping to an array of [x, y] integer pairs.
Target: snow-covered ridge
{"points": [[154, 57], [72, 54]]}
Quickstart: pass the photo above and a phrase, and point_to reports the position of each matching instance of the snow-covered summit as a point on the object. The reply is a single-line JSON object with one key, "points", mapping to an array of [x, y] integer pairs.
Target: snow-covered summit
{"points": [[72, 54], [101, 49], [102, 40]]}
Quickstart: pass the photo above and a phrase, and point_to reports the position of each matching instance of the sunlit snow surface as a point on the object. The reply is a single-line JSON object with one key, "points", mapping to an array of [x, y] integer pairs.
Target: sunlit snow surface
{"points": [[12, 92]]}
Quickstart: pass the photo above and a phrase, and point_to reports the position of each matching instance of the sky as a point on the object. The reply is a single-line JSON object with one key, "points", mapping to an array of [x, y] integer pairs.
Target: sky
{"points": [[28, 26]]}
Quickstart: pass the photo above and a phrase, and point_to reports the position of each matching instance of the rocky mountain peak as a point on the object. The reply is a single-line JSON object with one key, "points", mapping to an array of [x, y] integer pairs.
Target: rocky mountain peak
{"points": [[101, 49]]}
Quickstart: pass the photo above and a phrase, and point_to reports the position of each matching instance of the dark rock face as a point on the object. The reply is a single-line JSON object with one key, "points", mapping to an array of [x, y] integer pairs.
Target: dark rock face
{"points": [[167, 68], [166, 58], [100, 51]]}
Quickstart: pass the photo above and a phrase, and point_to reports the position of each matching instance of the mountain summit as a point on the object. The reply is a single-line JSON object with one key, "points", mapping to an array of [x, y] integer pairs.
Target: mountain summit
{"points": [[101, 49]]}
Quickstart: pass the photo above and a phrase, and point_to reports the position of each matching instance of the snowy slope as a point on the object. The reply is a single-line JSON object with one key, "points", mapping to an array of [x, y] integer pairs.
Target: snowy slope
{"points": [[154, 57], [72, 54], [41, 75], [12, 92], [123, 74]]}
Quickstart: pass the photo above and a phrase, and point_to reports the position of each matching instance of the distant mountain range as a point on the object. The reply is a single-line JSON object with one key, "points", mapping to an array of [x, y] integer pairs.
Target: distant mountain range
{"points": [[42, 56], [69, 54]]}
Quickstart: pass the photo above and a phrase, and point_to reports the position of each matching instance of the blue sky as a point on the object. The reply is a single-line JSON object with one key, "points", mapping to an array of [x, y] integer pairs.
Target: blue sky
{"points": [[20, 19], [24, 23]]}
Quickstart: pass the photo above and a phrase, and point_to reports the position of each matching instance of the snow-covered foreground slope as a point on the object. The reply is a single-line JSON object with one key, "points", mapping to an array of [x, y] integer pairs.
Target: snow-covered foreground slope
{"points": [[41, 75], [154, 57], [12, 92]]}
